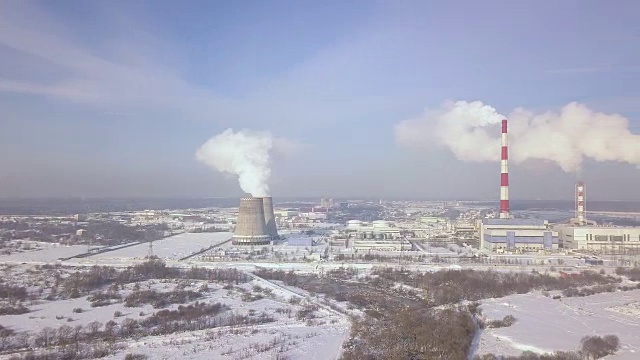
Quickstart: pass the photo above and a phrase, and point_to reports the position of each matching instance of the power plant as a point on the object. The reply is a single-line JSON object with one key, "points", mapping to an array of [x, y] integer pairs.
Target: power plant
{"points": [[506, 233], [583, 234], [251, 226]]}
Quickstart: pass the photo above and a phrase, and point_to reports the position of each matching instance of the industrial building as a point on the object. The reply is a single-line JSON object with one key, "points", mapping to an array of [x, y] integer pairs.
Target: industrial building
{"points": [[602, 239], [377, 229], [517, 235], [583, 234]]}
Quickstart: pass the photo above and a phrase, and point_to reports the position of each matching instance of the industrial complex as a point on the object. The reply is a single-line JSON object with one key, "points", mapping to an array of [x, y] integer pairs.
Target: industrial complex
{"points": [[413, 229]]}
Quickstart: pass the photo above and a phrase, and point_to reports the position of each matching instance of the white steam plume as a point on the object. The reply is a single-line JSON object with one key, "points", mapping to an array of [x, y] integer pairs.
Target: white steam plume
{"points": [[470, 131], [244, 153]]}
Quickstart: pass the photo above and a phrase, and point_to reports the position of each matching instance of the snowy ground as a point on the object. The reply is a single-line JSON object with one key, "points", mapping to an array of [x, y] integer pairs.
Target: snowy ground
{"points": [[43, 252], [318, 339], [319, 336], [546, 325], [171, 248]]}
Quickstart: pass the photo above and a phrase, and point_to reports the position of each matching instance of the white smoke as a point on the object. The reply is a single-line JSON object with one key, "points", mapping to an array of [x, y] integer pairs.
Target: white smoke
{"points": [[244, 153], [568, 137]]}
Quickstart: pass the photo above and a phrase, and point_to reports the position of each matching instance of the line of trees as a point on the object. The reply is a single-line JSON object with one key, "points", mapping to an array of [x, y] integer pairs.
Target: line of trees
{"points": [[84, 282], [79, 342], [453, 286]]}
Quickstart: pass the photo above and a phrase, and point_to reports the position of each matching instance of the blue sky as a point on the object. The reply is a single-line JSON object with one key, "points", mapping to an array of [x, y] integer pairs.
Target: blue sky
{"points": [[113, 98]]}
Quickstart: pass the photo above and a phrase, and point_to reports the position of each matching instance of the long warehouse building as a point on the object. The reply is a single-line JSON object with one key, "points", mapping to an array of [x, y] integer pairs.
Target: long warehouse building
{"points": [[517, 234], [599, 238]]}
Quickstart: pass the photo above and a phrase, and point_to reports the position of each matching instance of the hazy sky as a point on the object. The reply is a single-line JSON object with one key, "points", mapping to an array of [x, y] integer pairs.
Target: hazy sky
{"points": [[113, 98]]}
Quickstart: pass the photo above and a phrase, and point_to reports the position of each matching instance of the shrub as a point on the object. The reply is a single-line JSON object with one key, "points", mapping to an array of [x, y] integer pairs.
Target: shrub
{"points": [[14, 310], [135, 357], [505, 322], [597, 347]]}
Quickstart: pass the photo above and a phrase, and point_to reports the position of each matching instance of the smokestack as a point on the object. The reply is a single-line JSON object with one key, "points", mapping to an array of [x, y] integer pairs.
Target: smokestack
{"points": [[504, 174], [269, 217], [581, 200], [251, 228]]}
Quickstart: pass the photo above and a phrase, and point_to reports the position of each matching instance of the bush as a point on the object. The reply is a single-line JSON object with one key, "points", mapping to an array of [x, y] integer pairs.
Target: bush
{"points": [[597, 347], [77, 310], [160, 300], [505, 322], [13, 310], [117, 313], [135, 357]]}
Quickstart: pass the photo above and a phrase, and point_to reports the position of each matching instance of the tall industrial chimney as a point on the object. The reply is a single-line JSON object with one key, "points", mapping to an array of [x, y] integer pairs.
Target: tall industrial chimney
{"points": [[269, 217], [581, 209], [504, 174], [251, 228]]}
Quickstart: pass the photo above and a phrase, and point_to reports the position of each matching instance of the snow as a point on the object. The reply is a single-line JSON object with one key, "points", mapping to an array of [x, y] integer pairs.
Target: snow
{"points": [[171, 248], [43, 253], [547, 325], [317, 338]]}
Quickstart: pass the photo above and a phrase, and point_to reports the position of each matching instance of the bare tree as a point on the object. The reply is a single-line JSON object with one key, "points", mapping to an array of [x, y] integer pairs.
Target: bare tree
{"points": [[93, 329], [46, 336], [65, 333], [128, 326], [109, 329], [77, 336], [24, 340]]}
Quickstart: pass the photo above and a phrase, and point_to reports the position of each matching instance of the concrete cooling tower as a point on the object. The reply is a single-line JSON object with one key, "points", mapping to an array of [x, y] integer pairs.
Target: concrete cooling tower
{"points": [[251, 228], [269, 217]]}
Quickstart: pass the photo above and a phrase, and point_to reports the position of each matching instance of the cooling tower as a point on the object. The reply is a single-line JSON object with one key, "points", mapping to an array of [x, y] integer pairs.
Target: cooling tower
{"points": [[250, 227], [269, 218]]}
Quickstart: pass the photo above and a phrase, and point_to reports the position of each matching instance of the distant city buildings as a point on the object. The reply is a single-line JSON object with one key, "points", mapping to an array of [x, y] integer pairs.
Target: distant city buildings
{"points": [[326, 203]]}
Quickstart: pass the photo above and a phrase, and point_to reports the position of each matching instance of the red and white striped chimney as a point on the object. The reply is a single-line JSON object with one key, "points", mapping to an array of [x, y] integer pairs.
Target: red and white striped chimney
{"points": [[581, 208], [504, 174]]}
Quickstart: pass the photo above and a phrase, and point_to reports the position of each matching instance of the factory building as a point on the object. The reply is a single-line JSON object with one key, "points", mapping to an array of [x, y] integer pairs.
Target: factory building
{"points": [[583, 234], [377, 229], [603, 239], [517, 235]]}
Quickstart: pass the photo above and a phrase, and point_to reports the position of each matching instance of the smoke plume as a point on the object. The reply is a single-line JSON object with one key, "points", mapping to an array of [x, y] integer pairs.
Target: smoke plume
{"points": [[244, 153], [470, 130]]}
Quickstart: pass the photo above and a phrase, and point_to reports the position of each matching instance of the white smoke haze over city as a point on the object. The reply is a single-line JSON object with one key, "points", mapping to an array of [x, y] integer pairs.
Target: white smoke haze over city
{"points": [[247, 154], [566, 137]]}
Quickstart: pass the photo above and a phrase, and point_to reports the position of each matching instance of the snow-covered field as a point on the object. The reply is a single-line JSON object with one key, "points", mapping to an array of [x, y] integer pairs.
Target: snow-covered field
{"points": [[301, 342], [171, 248], [547, 325], [320, 339], [44, 252], [316, 336]]}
